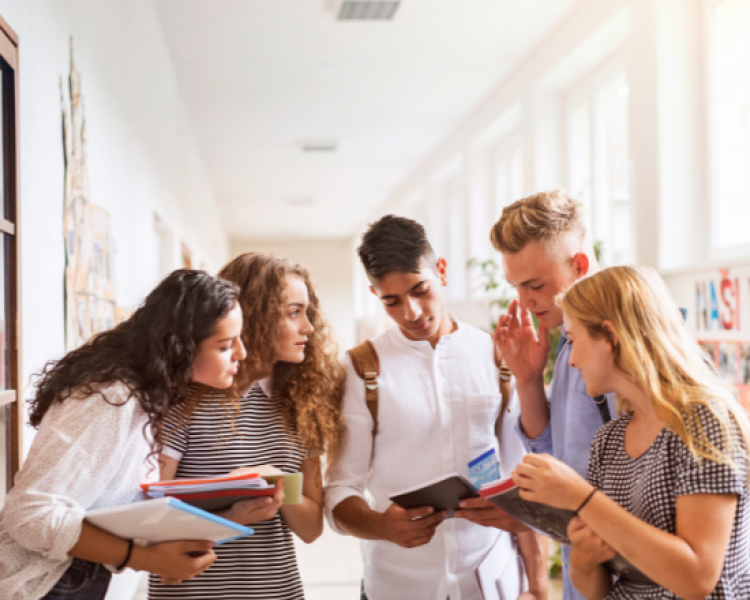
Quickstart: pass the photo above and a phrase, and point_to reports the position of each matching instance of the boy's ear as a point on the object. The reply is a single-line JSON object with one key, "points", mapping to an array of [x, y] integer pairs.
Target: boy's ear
{"points": [[581, 264], [442, 270], [373, 290]]}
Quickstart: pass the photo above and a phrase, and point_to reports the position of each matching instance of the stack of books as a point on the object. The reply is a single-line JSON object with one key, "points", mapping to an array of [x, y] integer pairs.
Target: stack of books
{"points": [[218, 493]]}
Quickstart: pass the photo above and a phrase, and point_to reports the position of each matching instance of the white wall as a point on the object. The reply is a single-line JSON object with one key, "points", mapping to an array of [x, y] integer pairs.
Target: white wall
{"points": [[330, 263], [142, 157]]}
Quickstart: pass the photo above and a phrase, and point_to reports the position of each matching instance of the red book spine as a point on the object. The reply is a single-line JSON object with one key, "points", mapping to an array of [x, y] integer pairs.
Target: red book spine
{"points": [[220, 494], [501, 487]]}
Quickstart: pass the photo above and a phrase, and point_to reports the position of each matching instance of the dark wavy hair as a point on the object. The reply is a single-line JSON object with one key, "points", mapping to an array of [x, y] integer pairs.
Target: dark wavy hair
{"points": [[310, 392], [152, 352]]}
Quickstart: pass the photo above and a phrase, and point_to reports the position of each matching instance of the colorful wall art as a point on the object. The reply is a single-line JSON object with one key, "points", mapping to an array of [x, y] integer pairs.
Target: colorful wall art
{"points": [[89, 279]]}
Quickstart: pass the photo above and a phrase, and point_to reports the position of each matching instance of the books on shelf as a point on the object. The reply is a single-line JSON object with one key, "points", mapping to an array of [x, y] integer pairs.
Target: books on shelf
{"points": [[443, 493], [552, 522], [165, 520], [219, 493]]}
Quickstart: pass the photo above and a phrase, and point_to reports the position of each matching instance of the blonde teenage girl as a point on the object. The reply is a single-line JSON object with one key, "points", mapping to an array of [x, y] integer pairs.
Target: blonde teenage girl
{"points": [[668, 480]]}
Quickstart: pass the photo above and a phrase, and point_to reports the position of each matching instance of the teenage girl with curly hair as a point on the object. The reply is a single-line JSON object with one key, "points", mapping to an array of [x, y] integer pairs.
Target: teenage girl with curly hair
{"points": [[288, 416], [100, 412]]}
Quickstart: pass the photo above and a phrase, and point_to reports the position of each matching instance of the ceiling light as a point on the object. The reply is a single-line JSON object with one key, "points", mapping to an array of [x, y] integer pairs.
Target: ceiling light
{"points": [[367, 10], [301, 201], [318, 145]]}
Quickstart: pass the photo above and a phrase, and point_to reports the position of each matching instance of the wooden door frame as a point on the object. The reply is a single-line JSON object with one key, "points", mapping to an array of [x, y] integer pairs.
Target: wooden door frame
{"points": [[10, 227]]}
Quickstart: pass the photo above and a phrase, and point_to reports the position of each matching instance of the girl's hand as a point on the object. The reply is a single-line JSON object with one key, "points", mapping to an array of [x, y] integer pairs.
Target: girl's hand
{"points": [[589, 550], [174, 561], [246, 512], [546, 480]]}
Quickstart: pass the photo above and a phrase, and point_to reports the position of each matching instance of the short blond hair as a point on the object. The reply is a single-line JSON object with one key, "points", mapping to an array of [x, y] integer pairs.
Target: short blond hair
{"points": [[544, 217]]}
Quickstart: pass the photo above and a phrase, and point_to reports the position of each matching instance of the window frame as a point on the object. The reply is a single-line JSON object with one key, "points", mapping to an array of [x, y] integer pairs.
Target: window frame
{"points": [[715, 251], [587, 89]]}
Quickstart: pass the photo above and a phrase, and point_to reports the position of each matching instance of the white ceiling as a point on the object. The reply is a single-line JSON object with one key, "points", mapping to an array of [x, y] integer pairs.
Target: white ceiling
{"points": [[258, 76]]}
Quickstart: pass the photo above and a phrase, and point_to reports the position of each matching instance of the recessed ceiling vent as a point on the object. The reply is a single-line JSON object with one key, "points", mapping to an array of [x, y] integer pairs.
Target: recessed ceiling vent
{"points": [[367, 10]]}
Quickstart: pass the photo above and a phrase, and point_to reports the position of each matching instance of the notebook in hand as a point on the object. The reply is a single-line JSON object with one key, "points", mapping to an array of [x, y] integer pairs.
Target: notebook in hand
{"points": [[165, 520], [552, 522], [444, 493]]}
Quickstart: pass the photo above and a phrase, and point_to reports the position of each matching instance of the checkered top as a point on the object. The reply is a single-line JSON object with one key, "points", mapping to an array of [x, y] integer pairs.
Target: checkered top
{"points": [[648, 486]]}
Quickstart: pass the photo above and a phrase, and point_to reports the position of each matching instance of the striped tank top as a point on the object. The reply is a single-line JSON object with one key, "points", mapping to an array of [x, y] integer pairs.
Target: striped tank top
{"points": [[260, 566]]}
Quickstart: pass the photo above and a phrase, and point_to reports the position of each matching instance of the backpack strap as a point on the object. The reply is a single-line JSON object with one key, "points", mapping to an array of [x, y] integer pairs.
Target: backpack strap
{"points": [[367, 366]]}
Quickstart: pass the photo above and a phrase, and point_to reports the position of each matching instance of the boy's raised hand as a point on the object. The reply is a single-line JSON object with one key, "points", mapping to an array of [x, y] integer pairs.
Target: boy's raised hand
{"points": [[524, 353]]}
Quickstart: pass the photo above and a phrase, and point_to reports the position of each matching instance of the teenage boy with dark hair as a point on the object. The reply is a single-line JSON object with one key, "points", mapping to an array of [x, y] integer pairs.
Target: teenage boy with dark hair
{"points": [[545, 250], [439, 403]]}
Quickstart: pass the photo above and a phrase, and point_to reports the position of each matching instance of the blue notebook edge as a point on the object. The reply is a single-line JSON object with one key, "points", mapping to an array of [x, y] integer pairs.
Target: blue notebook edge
{"points": [[241, 529]]}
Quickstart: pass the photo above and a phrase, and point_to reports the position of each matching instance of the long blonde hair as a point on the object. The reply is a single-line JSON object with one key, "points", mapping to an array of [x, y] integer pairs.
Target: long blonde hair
{"points": [[657, 353]]}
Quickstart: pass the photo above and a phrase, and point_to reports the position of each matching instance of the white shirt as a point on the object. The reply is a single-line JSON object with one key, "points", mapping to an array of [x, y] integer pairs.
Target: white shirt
{"points": [[437, 412], [87, 454]]}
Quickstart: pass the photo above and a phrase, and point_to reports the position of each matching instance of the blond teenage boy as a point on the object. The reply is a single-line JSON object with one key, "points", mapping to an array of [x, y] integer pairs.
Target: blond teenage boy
{"points": [[545, 249]]}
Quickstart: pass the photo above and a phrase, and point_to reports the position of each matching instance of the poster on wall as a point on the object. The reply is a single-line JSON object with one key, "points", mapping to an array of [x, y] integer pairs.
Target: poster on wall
{"points": [[90, 305], [732, 361]]}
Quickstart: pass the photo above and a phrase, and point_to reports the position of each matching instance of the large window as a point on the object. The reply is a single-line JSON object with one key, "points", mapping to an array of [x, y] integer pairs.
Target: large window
{"points": [[10, 392], [455, 207], [598, 169], [508, 172], [730, 122]]}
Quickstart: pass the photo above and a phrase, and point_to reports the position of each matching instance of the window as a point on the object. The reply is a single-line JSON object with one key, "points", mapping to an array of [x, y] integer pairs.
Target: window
{"points": [[10, 378], [730, 122], [599, 166], [455, 208], [508, 173]]}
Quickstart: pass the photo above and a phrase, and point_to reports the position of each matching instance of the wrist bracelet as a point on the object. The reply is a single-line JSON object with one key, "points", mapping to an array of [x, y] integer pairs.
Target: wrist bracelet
{"points": [[127, 557], [585, 502]]}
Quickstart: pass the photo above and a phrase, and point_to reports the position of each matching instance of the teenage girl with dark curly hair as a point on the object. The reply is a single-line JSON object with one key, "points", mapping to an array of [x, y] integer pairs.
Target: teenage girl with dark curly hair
{"points": [[100, 411], [288, 417]]}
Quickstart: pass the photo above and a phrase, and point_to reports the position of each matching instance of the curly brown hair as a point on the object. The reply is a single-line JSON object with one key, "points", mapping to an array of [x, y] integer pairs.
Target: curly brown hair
{"points": [[311, 391], [152, 352]]}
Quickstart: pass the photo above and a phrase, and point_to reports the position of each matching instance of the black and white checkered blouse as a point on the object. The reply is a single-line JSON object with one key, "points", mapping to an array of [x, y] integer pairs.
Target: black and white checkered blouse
{"points": [[648, 487]]}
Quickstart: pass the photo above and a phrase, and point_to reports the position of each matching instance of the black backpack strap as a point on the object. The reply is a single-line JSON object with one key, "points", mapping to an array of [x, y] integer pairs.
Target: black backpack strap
{"points": [[603, 406]]}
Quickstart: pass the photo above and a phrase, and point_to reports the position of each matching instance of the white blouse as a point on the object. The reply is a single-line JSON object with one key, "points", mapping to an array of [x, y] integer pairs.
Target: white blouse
{"points": [[88, 453]]}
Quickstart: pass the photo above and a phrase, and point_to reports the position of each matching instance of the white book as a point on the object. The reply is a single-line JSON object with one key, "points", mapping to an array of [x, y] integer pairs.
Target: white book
{"points": [[164, 520]]}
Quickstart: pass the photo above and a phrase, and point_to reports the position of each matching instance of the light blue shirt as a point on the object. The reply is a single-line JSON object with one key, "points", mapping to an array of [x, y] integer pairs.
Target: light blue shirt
{"points": [[574, 419]]}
